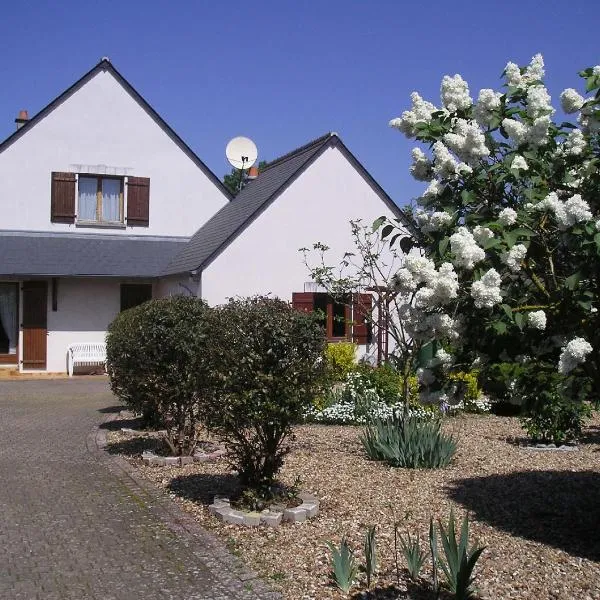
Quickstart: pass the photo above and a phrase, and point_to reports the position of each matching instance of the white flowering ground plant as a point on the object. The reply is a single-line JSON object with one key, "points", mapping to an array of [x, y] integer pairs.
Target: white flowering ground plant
{"points": [[509, 221]]}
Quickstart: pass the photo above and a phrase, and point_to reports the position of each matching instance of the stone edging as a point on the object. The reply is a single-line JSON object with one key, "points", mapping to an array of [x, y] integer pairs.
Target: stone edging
{"points": [[221, 508], [550, 447], [153, 460], [243, 582]]}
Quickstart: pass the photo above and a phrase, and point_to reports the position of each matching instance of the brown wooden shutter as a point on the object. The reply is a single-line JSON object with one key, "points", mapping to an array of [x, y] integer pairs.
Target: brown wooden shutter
{"points": [[138, 201], [362, 307], [303, 301], [62, 204]]}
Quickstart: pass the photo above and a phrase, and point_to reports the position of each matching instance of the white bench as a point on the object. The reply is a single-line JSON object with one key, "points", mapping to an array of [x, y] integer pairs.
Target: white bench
{"points": [[86, 353]]}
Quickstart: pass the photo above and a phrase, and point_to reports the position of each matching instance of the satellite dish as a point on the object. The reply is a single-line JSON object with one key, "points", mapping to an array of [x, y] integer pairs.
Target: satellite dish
{"points": [[241, 152]]}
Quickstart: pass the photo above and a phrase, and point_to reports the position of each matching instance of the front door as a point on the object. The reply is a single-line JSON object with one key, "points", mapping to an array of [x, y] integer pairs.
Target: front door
{"points": [[35, 312]]}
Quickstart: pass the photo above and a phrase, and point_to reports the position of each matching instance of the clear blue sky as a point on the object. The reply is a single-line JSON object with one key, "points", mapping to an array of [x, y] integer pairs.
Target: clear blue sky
{"points": [[286, 72]]}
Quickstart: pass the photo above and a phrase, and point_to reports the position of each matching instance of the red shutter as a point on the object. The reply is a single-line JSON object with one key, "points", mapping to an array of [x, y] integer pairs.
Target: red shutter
{"points": [[138, 201], [362, 308], [303, 301], [62, 204]]}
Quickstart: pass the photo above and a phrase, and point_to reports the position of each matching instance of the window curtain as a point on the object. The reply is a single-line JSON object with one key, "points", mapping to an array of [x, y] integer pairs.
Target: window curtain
{"points": [[111, 207], [8, 314], [88, 187]]}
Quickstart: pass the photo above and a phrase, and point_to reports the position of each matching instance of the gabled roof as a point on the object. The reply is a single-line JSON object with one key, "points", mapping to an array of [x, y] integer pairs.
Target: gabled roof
{"points": [[85, 254], [219, 231], [106, 65]]}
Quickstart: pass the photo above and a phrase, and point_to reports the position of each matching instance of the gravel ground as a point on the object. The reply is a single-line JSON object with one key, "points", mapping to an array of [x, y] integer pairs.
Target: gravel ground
{"points": [[536, 512]]}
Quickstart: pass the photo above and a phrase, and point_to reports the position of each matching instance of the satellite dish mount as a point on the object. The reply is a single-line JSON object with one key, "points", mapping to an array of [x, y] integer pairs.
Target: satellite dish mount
{"points": [[241, 153]]}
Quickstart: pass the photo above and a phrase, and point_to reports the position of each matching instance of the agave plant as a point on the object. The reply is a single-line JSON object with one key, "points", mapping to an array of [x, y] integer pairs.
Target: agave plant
{"points": [[344, 570], [408, 442], [459, 559], [370, 554]]}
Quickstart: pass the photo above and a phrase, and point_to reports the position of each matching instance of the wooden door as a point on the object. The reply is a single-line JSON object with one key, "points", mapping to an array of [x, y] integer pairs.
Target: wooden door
{"points": [[35, 313]]}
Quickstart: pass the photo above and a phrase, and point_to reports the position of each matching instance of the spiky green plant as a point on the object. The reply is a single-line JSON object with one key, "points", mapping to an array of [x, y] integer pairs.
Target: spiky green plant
{"points": [[434, 554], [344, 570], [459, 559], [408, 442], [370, 554], [413, 555]]}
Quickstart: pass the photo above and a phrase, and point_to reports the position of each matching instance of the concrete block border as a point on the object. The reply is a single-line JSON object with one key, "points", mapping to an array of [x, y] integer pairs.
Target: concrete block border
{"points": [[271, 517], [153, 460]]}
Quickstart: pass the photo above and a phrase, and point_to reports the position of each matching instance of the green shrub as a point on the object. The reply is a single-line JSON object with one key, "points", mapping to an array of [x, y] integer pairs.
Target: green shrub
{"points": [[269, 361], [156, 363], [384, 380], [341, 359], [408, 442], [553, 407], [469, 386]]}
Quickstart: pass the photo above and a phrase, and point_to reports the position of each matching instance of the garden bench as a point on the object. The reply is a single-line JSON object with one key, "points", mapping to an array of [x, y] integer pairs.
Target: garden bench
{"points": [[86, 353]]}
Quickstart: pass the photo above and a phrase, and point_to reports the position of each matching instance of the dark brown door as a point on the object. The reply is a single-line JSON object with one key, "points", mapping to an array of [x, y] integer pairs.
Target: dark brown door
{"points": [[35, 312]]}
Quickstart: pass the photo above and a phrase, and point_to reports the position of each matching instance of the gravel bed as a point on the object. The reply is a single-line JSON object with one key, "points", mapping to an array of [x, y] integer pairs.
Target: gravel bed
{"points": [[536, 512]]}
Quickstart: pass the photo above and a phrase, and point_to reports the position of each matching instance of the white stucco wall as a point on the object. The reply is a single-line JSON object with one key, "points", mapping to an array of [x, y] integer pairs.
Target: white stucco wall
{"points": [[180, 285], [102, 124], [317, 207]]}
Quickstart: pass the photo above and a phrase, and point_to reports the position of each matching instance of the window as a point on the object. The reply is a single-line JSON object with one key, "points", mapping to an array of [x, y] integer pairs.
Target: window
{"points": [[100, 198], [342, 320], [9, 315], [134, 294]]}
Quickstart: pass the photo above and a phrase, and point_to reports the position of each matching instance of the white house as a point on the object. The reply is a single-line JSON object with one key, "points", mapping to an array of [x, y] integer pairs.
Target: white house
{"points": [[104, 206]]}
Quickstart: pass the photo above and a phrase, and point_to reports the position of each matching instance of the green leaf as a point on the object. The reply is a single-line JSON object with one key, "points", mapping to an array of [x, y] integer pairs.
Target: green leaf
{"points": [[467, 197], [443, 245], [377, 223], [386, 231], [572, 281], [500, 327], [519, 320], [508, 311]]}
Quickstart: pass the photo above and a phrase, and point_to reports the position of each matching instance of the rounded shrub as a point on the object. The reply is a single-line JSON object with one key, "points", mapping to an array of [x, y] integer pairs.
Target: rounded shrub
{"points": [[269, 360], [157, 363]]}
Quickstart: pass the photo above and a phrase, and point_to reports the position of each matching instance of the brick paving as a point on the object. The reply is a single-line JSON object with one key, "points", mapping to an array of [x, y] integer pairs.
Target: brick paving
{"points": [[76, 523]]}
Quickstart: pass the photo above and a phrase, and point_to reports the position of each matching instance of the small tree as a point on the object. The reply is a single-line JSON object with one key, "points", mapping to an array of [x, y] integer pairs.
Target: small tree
{"points": [[268, 357], [156, 359]]}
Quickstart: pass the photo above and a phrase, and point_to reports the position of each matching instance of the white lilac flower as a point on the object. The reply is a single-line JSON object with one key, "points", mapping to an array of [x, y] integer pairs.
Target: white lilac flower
{"points": [[486, 291], [519, 163], [442, 358], [598, 224], [535, 70], [537, 319], [444, 164], [465, 249], [420, 113], [455, 93], [538, 102], [573, 354], [515, 130], [444, 286], [421, 268], [514, 257], [403, 281], [596, 70], [537, 133], [421, 168], [507, 216], [467, 141], [575, 143], [513, 74], [571, 101], [487, 102], [435, 221], [482, 235], [577, 210]]}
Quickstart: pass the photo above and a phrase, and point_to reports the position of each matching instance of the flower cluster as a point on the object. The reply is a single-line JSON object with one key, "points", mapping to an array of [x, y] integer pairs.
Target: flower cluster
{"points": [[507, 216], [573, 354], [482, 235], [467, 141], [514, 257], [534, 72], [574, 144], [429, 222], [574, 210], [420, 113], [535, 134], [539, 102], [445, 165], [571, 101], [455, 93], [486, 291], [465, 249], [421, 169], [487, 103], [537, 319], [519, 163]]}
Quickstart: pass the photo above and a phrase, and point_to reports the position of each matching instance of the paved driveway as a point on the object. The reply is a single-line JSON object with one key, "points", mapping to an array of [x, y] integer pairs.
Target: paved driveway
{"points": [[74, 526]]}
